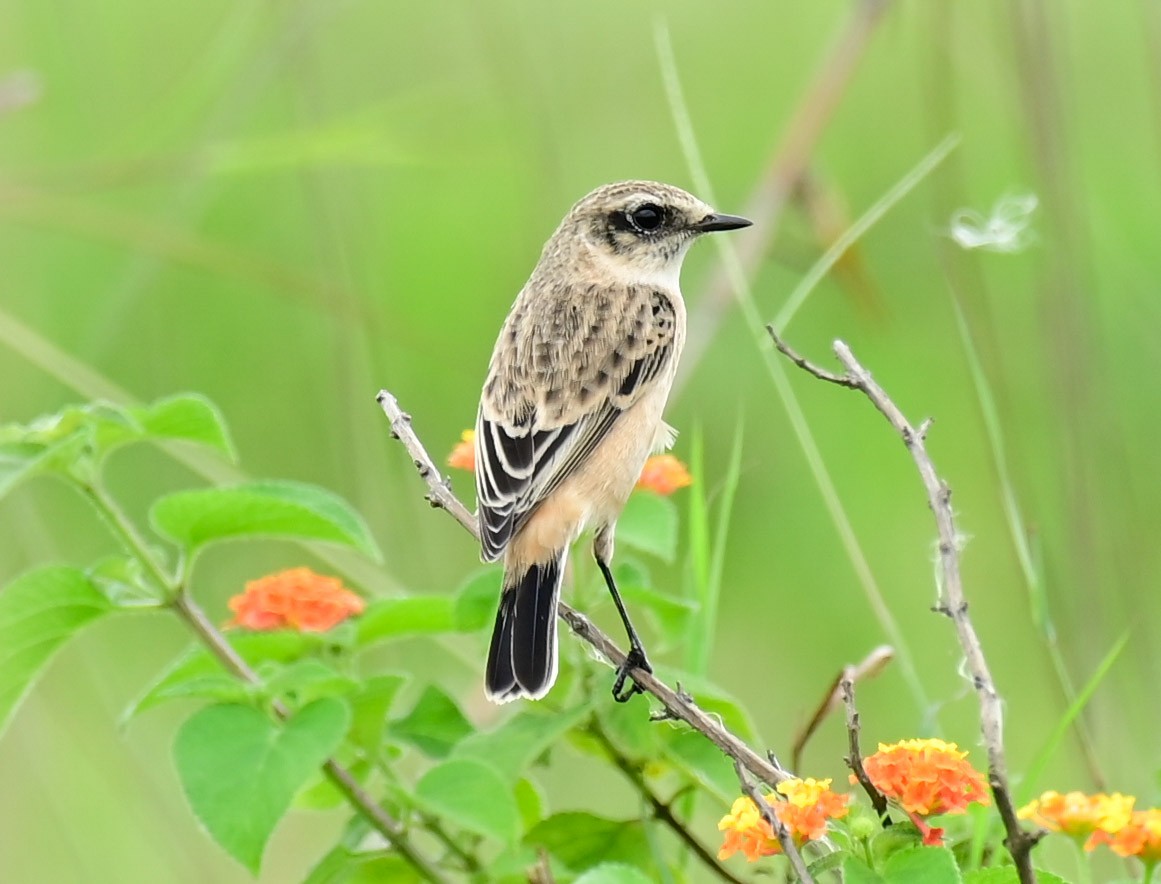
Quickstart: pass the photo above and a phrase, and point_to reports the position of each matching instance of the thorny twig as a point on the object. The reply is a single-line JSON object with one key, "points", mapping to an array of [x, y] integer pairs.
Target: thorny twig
{"points": [[952, 603]]}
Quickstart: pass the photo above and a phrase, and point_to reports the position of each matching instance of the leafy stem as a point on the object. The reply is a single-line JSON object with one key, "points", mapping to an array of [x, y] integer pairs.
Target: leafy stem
{"points": [[175, 591], [661, 809]]}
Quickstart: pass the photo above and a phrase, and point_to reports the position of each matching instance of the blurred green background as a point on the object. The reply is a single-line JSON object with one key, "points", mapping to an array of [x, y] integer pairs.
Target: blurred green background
{"points": [[289, 205]]}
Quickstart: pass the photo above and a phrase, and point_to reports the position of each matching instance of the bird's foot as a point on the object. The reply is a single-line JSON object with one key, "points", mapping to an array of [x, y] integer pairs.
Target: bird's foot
{"points": [[636, 659]]}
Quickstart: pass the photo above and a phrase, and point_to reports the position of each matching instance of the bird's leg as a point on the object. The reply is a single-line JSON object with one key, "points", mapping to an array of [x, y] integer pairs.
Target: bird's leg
{"points": [[636, 658]]}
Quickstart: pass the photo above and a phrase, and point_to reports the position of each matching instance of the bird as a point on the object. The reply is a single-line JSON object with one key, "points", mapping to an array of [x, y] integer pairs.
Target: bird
{"points": [[571, 408]]}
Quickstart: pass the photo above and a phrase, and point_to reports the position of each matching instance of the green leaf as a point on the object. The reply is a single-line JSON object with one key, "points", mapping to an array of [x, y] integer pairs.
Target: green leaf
{"points": [[20, 461], [187, 417], [826, 863], [649, 523], [303, 681], [1008, 875], [635, 735], [197, 664], [39, 612], [265, 509], [434, 725], [369, 707], [855, 871], [582, 840], [473, 795], [613, 873], [995, 875], [240, 770], [529, 802], [520, 740], [399, 618], [477, 599], [922, 865], [704, 761]]}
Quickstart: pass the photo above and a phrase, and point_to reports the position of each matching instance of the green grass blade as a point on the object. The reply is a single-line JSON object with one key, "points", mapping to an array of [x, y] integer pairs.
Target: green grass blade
{"points": [[1044, 756]]}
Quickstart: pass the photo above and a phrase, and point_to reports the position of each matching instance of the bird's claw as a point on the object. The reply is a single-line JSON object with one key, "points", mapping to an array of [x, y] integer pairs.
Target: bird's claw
{"points": [[636, 659]]}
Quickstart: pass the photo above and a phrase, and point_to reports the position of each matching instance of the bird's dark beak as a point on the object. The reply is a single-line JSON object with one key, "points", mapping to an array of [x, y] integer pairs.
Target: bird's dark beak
{"points": [[710, 223]]}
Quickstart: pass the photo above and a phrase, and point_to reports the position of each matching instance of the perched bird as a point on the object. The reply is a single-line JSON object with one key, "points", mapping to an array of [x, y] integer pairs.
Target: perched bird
{"points": [[571, 408]]}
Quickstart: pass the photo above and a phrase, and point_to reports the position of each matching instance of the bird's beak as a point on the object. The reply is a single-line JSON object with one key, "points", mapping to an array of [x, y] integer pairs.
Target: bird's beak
{"points": [[710, 223]]}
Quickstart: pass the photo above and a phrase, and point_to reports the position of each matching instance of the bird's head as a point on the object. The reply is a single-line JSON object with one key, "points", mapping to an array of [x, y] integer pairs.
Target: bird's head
{"points": [[640, 229]]}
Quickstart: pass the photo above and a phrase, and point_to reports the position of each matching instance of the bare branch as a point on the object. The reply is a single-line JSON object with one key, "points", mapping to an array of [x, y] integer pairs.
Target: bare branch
{"points": [[855, 759], [677, 704], [954, 604]]}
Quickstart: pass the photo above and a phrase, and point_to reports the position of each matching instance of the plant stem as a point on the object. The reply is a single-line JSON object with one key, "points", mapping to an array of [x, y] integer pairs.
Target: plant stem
{"points": [[191, 613], [661, 810]]}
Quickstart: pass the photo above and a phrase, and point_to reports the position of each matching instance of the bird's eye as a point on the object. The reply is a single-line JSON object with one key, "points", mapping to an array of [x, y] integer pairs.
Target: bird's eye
{"points": [[647, 217]]}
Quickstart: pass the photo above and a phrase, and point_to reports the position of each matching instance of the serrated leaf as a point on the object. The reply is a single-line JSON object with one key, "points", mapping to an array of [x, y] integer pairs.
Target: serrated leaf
{"points": [[826, 863], [404, 617], [649, 523], [187, 417], [434, 725], [240, 770], [581, 840], [477, 599], [472, 795], [255, 648], [515, 744], [265, 509], [922, 865], [39, 612]]}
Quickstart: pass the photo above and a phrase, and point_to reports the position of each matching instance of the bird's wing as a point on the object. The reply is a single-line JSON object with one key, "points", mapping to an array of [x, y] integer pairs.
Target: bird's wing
{"points": [[556, 386]]}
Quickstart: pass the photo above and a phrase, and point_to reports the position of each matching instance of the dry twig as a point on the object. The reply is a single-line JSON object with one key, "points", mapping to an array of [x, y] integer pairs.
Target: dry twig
{"points": [[678, 704], [855, 759], [953, 602]]}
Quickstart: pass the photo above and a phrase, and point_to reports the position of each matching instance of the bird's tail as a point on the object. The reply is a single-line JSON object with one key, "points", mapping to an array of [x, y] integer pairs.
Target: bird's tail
{"points": [[522, 659]]}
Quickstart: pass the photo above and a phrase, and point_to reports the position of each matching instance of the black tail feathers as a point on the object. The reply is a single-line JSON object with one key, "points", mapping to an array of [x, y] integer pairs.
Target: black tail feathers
{"points": [[522, 659]]}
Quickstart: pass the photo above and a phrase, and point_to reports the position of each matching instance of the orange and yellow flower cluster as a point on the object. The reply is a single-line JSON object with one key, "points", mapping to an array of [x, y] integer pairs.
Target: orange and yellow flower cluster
{"points": [[295, 599], [926, 778], [809, 804], [662, 474], [1100, 819]]}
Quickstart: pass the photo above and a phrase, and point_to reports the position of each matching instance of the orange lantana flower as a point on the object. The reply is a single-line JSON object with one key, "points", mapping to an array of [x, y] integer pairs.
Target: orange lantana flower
{"points": [[1079, 815], [296, 599], [663, 474], [810, 803], [1139, 837], [926, 777], [463, 456]]}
